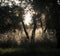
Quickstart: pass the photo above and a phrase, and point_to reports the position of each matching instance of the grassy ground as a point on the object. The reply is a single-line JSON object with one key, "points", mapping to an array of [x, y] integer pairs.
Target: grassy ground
{"points": [[29, 51]]}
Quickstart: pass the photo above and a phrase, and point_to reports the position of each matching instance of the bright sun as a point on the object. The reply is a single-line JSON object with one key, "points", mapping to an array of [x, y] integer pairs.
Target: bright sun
{"points": [[27, 12], [28, 15], [28, 18]]}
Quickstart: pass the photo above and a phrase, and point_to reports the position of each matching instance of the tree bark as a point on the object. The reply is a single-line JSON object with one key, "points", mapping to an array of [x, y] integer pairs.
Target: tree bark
{"points": [[34, 29], [57, 26], [25, 30]]}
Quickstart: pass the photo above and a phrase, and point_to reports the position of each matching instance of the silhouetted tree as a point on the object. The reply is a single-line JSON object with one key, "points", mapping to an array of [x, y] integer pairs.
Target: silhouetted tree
{"points": [[34, 28], [57, 22], [15, 14], [52, 17]]}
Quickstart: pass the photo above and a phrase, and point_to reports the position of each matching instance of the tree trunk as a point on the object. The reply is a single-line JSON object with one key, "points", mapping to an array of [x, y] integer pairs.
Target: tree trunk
{"points": [[57, 22], [33, 33], [57, 26], [58, 30], [34, 29], [58, 38], [25, 30]]}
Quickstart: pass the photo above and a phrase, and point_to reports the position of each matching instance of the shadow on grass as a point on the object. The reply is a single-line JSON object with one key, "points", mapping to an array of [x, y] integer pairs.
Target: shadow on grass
{"points": [[29, 51]]}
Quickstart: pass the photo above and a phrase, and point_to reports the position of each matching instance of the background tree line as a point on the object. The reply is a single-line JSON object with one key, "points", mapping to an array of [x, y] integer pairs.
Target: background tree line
{"points": [[12, 18]]}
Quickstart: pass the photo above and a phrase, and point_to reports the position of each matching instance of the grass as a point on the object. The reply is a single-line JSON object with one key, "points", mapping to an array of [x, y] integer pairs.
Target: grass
{"points": [[7, 50], [30, 51], [11, 50]]}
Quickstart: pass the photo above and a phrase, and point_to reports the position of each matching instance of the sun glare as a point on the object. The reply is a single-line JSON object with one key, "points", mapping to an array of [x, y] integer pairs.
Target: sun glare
{"points": [[27, 18], [28, 15], [17, 2]]}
